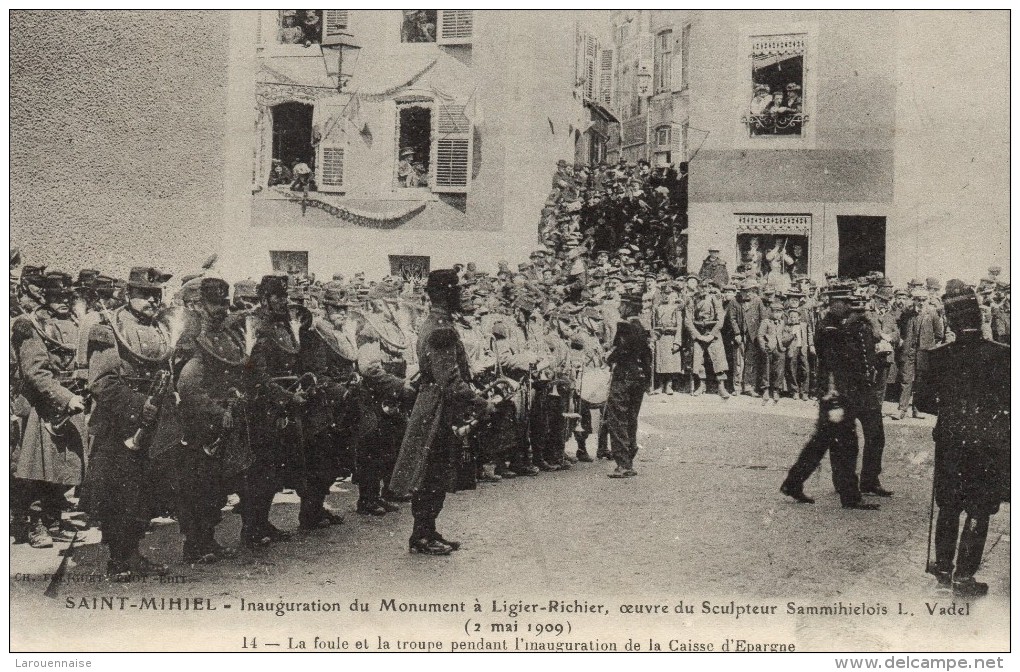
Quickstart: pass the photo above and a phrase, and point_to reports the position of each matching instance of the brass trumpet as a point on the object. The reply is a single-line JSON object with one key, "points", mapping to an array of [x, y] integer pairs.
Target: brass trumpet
{"points": [[498, 391]]}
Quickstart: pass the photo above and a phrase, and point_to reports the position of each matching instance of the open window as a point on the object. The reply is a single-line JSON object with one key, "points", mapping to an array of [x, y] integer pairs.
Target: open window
{"points": [[293, 151], [419, 25], [414, 145], [773, 247], [777, 85]]}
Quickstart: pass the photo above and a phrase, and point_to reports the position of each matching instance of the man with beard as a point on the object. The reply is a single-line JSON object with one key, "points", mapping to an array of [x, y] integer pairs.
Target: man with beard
{"points": [[970, 377], [424, 464], [51, 456], [212, 391], [276, 439], [129, 378]]}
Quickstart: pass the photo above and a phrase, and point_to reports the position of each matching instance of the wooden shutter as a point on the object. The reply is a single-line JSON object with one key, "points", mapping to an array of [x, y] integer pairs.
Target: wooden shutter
{"points": [[452, 150], [606, 77], [330, 152], [591, 67], [335, 21], [456, 26]]}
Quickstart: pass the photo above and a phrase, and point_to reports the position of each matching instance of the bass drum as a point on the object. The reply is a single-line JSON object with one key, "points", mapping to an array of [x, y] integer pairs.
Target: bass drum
{"points": [[595, 385]]}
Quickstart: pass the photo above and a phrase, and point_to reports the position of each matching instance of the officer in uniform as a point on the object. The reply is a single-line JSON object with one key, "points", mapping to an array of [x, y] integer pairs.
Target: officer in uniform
{"points": [[129, 373], [445, 398], [631, 361], [276, 437], [51, 456], [846, 360], [970, 377], [212, 391], [509, 423], [704, 321]]}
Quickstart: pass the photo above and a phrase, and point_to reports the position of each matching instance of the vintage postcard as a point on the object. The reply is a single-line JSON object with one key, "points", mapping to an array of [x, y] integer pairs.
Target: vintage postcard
{"points": [[339, 330]]}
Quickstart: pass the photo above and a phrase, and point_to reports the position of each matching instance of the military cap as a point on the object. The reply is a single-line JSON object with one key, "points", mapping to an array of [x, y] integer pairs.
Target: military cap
{"points": [[185, 279], [245, 289], [334, 295], [190, 290], [794, 294], [86, 277], [56, 283], [839, 290], [297, 295], [146, 277], [272, 285], [749, 283], [443, 278], [32, 272], [214, 290], [933, 283], [914, 282]]}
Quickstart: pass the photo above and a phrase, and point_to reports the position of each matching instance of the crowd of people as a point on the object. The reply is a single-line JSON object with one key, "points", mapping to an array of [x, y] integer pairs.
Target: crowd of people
{"points": [[150, 400]]}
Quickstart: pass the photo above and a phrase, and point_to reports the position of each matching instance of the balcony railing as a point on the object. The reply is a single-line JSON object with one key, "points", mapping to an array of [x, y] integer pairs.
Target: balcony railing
{"points": [[784, 123]]}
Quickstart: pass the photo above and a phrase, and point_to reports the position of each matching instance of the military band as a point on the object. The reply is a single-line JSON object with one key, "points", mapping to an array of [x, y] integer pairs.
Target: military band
{"points": [[148, 405]]}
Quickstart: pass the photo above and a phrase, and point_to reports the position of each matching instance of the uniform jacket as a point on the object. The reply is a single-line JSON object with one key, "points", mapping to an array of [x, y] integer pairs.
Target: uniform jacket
{"points": [[972, 450], [444, 397]]}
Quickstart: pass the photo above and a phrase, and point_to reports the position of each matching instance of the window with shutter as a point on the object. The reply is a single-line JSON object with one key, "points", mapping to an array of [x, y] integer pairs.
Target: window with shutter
{"points": [[328, 133], [606, 77], [336, 21], [456, 26], [663, 60], [451, 169], [591, 68], [680, 67]]}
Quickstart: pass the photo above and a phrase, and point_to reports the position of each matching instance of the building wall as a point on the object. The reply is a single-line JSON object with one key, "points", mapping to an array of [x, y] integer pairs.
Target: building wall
{"points": [[117, 137], [843, 163], [522, 68]]}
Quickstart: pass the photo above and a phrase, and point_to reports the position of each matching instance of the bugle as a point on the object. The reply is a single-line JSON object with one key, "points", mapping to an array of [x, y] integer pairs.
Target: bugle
{"points": [[498, 391]]}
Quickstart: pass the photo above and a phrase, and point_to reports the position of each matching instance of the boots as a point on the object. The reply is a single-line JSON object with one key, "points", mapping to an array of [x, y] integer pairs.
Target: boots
{"points": [[723, 392], [700, 390], [489, 474], [668, 387]]}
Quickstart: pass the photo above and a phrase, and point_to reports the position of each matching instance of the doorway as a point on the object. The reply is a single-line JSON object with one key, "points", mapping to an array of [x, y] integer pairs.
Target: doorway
{"points": [[861, 245], [292, 134]]}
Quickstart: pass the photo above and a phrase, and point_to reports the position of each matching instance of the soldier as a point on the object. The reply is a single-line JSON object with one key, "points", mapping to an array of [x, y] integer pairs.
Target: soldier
{"points": [[381, 346], [587, 353], [215, 440], [30, 296], [704, 322], [970, 377], [276, 437], [846, 360], [631, 359], [245, 296], [445, 397], [51, 456], [332, 418], [668, 334], [129, 376], [513, 360]]}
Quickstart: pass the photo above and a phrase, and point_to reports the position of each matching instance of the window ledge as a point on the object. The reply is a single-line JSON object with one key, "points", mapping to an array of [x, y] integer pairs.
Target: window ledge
{"points": [[770, 124]]}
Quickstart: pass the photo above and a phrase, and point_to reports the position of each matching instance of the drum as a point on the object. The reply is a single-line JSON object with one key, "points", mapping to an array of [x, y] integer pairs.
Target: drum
{"points": [[595, 385]]}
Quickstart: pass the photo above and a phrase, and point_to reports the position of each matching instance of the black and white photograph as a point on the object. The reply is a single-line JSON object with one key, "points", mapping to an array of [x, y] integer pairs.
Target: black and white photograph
{"points": [[520, 330]]}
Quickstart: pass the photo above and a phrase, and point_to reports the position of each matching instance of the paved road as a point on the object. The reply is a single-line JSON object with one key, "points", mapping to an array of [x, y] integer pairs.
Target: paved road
{"points": [[702, 521]]}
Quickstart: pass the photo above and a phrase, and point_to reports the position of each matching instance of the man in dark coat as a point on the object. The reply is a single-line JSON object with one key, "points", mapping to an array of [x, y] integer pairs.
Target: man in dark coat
{"points": [[714, 269], [631, 362], [277, 437], [846, 360], [445, 398], [50, 458], [972, 455], [131, 352], [212, 391], [755, 312]]}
